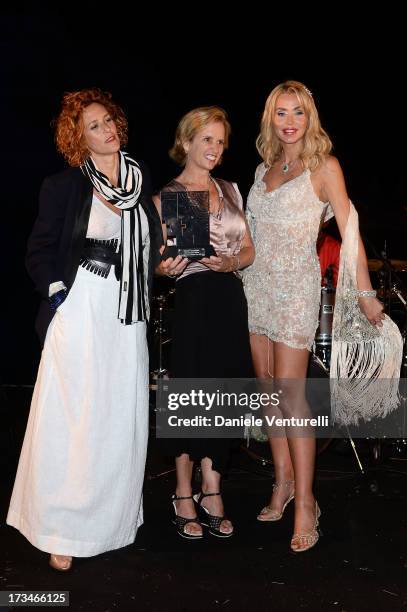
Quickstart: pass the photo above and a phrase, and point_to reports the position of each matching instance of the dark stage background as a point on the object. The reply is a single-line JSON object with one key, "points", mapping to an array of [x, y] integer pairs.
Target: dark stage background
{"points": [[157, 75]]}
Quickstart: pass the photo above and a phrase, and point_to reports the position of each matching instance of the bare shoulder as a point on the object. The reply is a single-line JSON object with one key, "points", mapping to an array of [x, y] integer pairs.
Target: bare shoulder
{"points": [[330, 167], [260, 170], [328, 179], [329, 172]]}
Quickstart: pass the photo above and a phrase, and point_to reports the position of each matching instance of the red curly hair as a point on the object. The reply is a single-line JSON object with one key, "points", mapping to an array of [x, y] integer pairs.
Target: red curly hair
{"points": [[69, 126]]}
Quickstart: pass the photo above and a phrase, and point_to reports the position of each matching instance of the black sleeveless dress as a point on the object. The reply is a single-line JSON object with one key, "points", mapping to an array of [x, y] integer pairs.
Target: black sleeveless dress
{"points": [[210, 333]]}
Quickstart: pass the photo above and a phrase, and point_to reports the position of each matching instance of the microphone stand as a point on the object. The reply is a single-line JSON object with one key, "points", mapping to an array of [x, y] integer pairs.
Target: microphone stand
{"points": [[392, 285]]}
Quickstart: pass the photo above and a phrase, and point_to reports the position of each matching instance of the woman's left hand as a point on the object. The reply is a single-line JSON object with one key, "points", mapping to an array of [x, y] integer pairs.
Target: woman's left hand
{"points": [[218, 263], [372, 308]]}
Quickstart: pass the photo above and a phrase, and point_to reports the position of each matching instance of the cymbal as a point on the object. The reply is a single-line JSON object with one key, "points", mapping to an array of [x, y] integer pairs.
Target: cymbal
{"points": [[400, 265]]}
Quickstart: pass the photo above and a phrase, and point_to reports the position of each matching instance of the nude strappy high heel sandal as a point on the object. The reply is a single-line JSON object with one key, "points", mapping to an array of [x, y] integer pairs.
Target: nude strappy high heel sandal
{"points": [[307, 540], [268, 514]]}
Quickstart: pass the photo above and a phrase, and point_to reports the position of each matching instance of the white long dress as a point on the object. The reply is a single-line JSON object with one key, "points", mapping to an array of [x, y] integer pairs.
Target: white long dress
{"points": [[78, 489]]}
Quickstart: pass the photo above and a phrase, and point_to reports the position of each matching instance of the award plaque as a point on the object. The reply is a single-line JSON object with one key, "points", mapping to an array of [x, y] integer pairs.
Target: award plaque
{"points": [[186, 216]]}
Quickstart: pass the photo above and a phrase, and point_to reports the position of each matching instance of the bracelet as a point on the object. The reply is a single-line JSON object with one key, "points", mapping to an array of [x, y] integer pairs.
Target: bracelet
{"points": [[366, 293], [234, 265]]}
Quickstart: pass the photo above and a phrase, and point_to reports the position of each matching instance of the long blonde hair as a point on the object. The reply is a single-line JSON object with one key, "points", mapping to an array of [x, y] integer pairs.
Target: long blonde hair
{"points": [[317, 144]]}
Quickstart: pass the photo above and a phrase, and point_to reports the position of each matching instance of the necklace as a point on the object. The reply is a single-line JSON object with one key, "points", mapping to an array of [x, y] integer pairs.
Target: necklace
{"points": [[287, 165], [211, 181]]}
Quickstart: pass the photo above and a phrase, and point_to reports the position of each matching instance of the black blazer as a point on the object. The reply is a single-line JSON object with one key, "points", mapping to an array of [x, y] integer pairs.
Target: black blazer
{"points": [[56, 241]]}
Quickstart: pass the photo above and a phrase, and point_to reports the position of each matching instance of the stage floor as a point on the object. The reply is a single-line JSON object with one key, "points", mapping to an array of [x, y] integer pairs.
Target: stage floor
{"points": [[360, 562]]}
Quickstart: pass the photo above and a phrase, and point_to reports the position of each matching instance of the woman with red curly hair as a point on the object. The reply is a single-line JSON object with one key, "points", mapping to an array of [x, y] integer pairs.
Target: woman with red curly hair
{"points": [[78, 490]]}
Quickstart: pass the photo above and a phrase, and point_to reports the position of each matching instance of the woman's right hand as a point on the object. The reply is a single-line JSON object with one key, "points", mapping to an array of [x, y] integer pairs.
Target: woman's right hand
{"points": [[172, 267]]}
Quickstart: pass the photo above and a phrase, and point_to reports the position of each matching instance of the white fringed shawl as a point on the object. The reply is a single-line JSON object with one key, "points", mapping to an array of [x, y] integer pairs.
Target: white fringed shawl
{"points": [[365, 360]]}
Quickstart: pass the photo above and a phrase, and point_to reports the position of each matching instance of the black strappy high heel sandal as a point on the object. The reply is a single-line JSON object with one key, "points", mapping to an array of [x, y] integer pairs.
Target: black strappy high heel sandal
{"points": [[180, 521], [210, 520]]}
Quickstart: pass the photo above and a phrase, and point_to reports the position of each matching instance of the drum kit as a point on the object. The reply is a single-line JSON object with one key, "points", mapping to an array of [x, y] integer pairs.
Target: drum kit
{"points": [[386, 277], [391, 291]]}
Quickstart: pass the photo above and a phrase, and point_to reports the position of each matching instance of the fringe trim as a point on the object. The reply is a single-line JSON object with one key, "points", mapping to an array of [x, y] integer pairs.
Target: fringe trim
{"points": [[365, 377], [94, 266], [365, 361]]}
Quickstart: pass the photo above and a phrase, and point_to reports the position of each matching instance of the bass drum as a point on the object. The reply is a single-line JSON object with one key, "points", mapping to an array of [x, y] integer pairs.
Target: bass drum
{"points": [[323, 338]]}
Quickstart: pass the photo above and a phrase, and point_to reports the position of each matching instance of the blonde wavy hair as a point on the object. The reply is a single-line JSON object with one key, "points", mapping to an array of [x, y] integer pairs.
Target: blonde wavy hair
{"points": [[317, 144], [191, 123], [69, 126]]}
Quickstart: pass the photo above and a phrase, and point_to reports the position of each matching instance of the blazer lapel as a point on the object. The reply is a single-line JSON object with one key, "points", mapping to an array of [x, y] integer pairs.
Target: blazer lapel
{"points": [[85, 193]]}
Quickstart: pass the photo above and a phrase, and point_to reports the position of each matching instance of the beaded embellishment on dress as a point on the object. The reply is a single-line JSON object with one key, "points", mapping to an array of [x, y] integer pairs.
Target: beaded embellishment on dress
{"points": [[283, 285]]}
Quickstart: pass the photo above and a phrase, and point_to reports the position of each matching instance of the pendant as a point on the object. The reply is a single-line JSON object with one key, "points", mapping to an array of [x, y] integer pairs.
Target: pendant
{"points": [[286, 168]]}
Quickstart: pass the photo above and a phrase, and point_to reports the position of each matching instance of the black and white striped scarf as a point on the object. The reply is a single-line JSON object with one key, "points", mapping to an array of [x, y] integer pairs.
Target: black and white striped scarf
{"points": [[125, 196]]}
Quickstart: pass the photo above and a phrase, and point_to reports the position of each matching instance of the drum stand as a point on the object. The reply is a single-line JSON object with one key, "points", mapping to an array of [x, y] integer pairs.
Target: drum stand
{"points": [[159, 330], [391, 285], [401, 443], [323, 339], [325, 366]]}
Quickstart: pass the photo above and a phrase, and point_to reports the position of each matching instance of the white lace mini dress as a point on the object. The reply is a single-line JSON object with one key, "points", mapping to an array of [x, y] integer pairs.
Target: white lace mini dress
{"points": [[283, 285]]}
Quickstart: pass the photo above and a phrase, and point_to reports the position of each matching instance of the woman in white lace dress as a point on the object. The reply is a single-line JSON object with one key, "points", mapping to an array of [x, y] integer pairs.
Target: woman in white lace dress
{"points": [[298, 185]]}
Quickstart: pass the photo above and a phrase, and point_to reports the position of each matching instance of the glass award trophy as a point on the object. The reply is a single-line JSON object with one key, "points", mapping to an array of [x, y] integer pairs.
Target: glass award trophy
{"points": [[186, 216]]}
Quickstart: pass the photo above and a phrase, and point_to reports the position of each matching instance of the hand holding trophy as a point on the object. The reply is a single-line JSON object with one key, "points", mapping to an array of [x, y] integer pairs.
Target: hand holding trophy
{"points": [[186, 216]]}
